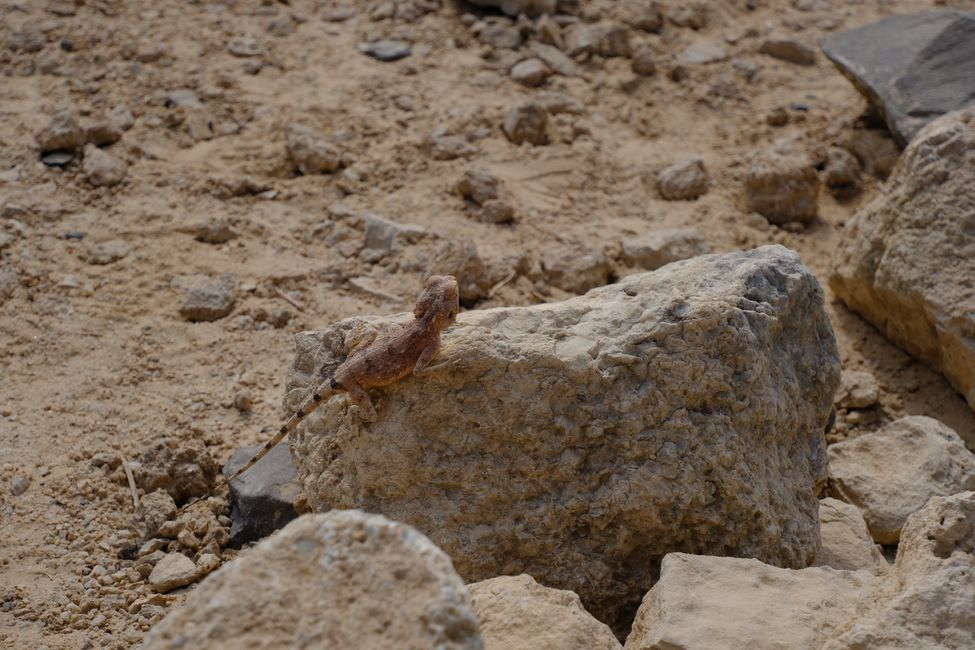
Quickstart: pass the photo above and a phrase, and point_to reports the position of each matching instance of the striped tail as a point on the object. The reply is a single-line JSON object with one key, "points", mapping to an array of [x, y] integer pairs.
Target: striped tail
{"points": [[325, 390]]}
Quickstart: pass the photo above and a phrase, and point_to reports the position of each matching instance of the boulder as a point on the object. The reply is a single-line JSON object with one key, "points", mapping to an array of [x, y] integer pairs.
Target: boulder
{"points": [[517, 613], [262, 499], [579, 442], [911, 68], [730, 603], [928, 598], [845, 541], [892, 472], [907, 259], [341, 580]]}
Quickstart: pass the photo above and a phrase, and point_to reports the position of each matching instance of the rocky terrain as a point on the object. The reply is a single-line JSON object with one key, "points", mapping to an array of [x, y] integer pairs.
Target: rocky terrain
{"points": [[203, 205]]}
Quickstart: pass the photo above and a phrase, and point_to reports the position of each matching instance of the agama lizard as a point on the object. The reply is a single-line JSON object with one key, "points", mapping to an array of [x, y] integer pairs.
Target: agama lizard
{"points": [[378, 363]]}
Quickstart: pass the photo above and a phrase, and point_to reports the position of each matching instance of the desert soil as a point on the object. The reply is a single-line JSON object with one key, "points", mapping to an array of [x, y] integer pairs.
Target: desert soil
{"points": [[96, 360]]}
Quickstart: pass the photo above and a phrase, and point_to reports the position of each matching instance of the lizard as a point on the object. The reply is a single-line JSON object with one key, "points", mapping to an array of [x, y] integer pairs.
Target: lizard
{"points": [[380, 362]]}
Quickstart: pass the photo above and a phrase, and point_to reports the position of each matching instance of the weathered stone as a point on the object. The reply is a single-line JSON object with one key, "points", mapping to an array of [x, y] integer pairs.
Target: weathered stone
{"points": [[845, 542], [101, 168], [183, 469], [728, 603], [787, 49], [842, 169], [262, 498], [109, 252], [340, 580], [517, 613], [211, 299], [155, 509], [444, 146], [526, 123], [643, 14], [644, 62], [531, 72], [311, 153], [911, 68], [19, 484], [386, 50], [556, 59], [677, 410], [497, 211], [782, 187], [103, 132], [874, 148], [382, 234], [702, 52], [858, 390], [217, 231], [684, 180], [501, 35], [693, 14], [659, 247], [891, 473], [173, 571], [245, 47], [575, 270], [62, 133], [461, 260], [480, 186], [906, 260], [928, 598]]}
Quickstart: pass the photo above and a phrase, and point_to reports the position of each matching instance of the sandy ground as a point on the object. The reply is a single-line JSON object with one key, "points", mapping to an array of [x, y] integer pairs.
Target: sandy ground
{"points": [[96, 361]]}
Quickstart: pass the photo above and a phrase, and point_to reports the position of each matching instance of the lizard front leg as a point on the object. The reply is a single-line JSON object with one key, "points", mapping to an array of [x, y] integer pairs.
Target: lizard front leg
{"points": [[427, 355], [359, 397]]}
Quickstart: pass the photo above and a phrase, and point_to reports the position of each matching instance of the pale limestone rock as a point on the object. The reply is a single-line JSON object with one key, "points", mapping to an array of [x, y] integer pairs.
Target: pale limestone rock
{"points": [[858, 390], [656, 248], [845, 541], [928, 599], [907, 259], [340, 580], [531, 72], [892, 472], [517, 613], [173, 571], [684, 180], [718, 603], [677, 410], [311, 153], [101, 168]]}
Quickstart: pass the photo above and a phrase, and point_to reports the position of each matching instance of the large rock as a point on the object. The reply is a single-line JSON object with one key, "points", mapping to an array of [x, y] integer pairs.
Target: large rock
{"points": [[517, 613], [845, 541], [912, 69], [892, 473], [715, 603], [579, 442], [907, 259], [928, 599], [340, 580], [262, 498]]}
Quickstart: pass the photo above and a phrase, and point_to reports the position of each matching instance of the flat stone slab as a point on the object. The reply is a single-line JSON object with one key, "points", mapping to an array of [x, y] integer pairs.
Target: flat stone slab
{"points": [[912, 68]]}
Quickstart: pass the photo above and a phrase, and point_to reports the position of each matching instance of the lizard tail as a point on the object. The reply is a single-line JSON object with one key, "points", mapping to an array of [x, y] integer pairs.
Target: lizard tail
{"points": [[325, 390]]}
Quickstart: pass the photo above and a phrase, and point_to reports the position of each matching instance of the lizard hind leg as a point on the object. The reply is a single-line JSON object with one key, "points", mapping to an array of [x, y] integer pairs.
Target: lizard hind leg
{"points": [[359, 397]]}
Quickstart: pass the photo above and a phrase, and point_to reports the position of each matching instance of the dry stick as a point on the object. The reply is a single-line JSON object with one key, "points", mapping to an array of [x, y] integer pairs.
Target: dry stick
{"points": [[494, 289], [132, 488], [291, 301]]}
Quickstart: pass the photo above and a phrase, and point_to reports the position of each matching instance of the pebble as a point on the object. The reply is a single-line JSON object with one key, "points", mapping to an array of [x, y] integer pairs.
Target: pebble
{"points": [[171, 572], [526, 123], [500, 35], [62, 133], [19, 485], [777, 117], [311, 153], [689, 14], [103, 132], [121, 117], [109, 252], [243, 401], [386, 50], [211, 299], [643, 62], [786, 49], [102, 169], [443, 146], [207, 563], [57, 159], [531, 72], [782, 186], [479, 186], [702, 52], [182, 98], [842, 170], [245, 46], [684, 180], [217, 231], [858, 390]]}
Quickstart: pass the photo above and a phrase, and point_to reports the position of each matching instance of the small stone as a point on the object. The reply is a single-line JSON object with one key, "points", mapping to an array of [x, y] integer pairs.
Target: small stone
{"points": [[777, 117], [556, 59], [173, 571], [558, 103], [245, 46], [500, 35], [188, 539], [106, 252], [842, 169], [382, 234], [243, 401], [103, 132], [573, 270], [702, 52], [155, 509], [684, 180], [61, 134], [282, 26], [210, 300], [121, 117], [150, 52], [58, 159], [207, 563], [443, 146], [11, 175], [461, 260], [549, 32], [858, 390], [182, 98], [531, 73], [19, 485], [783, 187], [101, 168], [497, 211], [845, 541], [386, 50], [692, 14], [656, 248], [480, 186], [526, 123], [311, 153], [786, 49], [643, 14], [154, 544], [643, 62], [218, 231]]}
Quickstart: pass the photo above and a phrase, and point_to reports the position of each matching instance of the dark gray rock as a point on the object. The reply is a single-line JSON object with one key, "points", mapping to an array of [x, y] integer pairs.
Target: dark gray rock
{"points": [[386, 50], [262, 499], [911, 68]]}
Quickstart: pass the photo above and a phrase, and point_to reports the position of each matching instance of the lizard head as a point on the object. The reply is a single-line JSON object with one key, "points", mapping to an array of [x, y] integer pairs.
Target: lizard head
{"points": [[439, 301]]}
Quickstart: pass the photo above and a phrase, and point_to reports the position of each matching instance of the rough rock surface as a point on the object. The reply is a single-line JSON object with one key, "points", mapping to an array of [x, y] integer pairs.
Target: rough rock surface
{"points": [[517, 613], [721, 371], [684, 180], [62, 133], [262, 499], [311, 153], [575, 270], [526, 123], [928, 599], [340, 580], [183, 469], [907, 259], [211, 299], [171, 572], [912, 68], [858, 390], [892, 472], [782, 186], [845, 541], [659, 247], [721, 602], [101, 168]]}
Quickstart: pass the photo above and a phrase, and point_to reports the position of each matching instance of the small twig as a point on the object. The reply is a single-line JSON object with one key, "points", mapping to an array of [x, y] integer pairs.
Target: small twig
{"points": [[509, 278], [364, 286], [291, 301], [132, 488]]}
